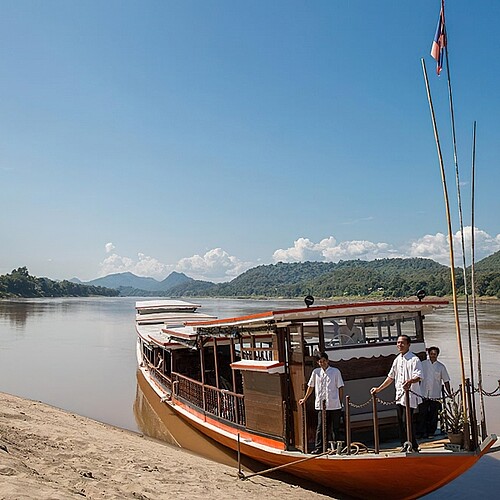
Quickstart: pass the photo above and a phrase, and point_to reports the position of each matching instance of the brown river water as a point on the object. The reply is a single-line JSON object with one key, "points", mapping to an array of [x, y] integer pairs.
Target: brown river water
{"points": [[79, 355]]}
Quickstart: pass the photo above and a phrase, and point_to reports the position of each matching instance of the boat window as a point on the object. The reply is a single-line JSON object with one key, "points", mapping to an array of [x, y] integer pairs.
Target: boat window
{"points": [[342, 331], [310, 331], [367, 329], [257, 347]]}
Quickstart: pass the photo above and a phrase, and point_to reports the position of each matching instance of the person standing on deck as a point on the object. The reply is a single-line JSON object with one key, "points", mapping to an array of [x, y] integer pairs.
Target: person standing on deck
{"points": [[326, 381], [435, 375], [406, 373]]}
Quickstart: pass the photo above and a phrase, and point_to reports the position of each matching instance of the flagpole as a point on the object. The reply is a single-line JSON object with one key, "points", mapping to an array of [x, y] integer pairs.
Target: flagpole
{"points": [[474, 305], [464, 264], [452, 260]]}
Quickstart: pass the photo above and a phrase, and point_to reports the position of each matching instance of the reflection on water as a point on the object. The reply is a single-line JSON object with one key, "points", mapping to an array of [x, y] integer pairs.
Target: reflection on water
{"points": [[79, 354], [74, 353]]}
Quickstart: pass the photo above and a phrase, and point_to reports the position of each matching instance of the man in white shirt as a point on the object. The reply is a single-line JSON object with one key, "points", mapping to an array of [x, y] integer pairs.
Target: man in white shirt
{"points": [[326, 381], [406, 373], [435, 375]]}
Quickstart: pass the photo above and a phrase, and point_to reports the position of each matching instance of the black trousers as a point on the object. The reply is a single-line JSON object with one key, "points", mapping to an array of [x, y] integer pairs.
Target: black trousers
{"points": [[332, 428], [428, 416], [402, 426]]}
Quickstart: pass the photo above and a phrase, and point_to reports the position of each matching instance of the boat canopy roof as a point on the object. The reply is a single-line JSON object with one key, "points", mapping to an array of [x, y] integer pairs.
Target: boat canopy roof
{"points": [[325, 311], [155, 306]]}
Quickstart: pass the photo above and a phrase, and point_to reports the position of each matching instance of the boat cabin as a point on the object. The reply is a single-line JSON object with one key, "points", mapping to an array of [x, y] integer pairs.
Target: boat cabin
{"points": [[248, 373]]}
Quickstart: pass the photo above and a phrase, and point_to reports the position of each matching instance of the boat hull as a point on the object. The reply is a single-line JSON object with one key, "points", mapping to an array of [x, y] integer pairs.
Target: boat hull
{"points": [[386, 475]]}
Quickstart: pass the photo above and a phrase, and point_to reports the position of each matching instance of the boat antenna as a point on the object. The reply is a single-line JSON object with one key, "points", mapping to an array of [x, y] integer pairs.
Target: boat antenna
{"points": [[462, 236], [452, 259], [482, 413]]}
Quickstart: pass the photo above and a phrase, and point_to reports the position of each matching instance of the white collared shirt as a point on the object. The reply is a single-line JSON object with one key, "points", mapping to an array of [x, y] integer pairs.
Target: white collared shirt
{"points": [[326, 385], [434, 375], [406, 367]]}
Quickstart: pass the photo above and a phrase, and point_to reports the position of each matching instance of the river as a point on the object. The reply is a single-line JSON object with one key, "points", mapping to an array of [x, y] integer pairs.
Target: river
{"points": [[79, 354]]}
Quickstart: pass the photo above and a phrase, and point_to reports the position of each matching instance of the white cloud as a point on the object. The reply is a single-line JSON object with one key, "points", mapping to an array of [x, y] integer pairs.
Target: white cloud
{"points": [[328, 250], [435, 246], [142, 266], [215, 265], [109, 247]]}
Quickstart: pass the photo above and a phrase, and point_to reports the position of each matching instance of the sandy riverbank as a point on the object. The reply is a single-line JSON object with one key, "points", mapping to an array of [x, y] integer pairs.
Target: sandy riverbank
{"points": [[49, 453]]}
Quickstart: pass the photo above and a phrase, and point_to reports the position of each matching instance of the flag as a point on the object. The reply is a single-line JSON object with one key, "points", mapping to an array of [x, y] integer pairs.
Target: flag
{"points": [[439, 43]]}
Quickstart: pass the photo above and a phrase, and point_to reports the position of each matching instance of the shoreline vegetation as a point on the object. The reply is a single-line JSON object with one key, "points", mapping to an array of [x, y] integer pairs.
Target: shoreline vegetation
{"points": [[48, 453], [20, 284], [354, 279]]}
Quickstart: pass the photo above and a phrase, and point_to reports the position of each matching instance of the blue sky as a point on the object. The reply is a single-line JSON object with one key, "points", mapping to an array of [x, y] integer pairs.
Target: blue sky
{"points": [[212, 136]]}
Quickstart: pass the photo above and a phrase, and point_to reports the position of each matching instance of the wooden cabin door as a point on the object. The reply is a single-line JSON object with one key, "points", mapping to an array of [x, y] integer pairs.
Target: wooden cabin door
{"points": [[296, 353]]}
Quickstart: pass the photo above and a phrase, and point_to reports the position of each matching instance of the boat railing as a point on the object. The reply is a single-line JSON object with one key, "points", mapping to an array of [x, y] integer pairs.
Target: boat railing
{"points": [[157, 374], [220, 403], [257, 353]]}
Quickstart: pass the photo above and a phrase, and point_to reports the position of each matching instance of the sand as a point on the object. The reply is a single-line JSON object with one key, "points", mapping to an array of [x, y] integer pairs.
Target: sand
{"points": [[48, 453]]}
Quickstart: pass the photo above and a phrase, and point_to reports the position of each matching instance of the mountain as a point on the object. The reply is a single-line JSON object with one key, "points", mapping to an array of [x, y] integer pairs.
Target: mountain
{"points": [[489, 264], [174, 279], [128, 282], [487, 276], [377, 278], [382, 277], [125, 280]]}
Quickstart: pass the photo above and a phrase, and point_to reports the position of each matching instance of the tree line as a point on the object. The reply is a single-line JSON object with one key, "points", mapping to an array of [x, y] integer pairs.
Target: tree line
{"points": [[378, 278], [19, 283]]}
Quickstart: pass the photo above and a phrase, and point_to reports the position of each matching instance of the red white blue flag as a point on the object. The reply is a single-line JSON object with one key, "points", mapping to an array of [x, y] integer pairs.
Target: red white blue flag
{"points": [[439, 43]]}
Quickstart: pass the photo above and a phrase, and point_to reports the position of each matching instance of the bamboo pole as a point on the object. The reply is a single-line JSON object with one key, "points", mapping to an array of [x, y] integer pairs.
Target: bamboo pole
{"points": [[462, 242], [482, 413], [452, 258]]}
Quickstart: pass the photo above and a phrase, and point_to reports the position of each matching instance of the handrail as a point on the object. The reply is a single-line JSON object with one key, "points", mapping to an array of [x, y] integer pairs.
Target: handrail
{"points": [[221, 403]]}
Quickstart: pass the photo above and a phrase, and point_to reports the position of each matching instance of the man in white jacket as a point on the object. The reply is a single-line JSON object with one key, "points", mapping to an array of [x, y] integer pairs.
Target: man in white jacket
{"points": [[435, 375], [406, 373], [326, 381]]}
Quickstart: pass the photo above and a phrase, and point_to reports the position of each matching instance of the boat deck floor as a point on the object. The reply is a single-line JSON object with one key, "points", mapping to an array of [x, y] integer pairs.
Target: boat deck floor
{"points": [[433, 444]]}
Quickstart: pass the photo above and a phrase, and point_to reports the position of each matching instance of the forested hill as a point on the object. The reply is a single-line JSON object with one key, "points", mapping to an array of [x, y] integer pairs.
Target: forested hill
{"points": [[385, 277], [489, 264], [377, 278], [19, 283]]}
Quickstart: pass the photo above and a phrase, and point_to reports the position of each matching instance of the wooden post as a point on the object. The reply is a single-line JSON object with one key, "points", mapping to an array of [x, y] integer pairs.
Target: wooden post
{"points": [[217, 376], [472, 417], [348, 423], [240, 474], [233, 373], [202, 364], [321, 335], [304, 427], [323, 424], [375, 424], [408, 417], [442, 418]]}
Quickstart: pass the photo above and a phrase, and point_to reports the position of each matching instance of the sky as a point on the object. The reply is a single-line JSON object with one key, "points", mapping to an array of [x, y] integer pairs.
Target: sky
{"points": [[212, 136]]}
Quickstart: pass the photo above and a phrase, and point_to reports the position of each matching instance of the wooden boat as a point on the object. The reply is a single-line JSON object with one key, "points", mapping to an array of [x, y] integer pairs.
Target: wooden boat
{"points": [[238, 381]]}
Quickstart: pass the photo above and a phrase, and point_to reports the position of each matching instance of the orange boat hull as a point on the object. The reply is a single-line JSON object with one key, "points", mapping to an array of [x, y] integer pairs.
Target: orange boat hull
{"points": [[386, 475]]}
